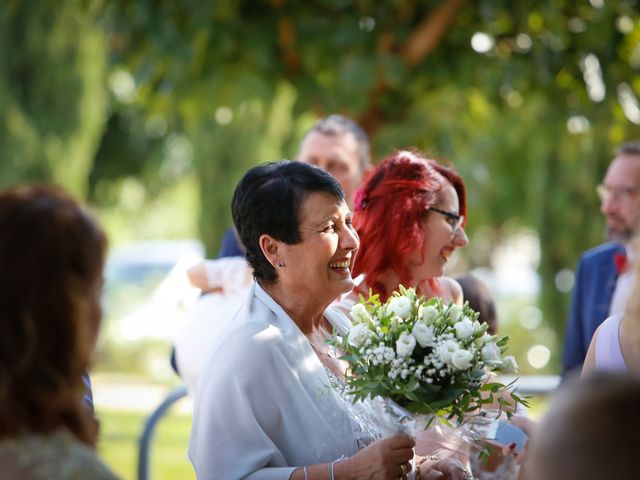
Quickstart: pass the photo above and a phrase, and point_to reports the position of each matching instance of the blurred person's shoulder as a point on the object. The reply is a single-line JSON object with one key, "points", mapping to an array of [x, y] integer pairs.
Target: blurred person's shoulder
{"points": [[600, 253], [58, 455]]}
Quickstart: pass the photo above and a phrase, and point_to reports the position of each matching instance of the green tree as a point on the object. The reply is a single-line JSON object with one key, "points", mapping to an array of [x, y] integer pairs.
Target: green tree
{"points": [[52, 92], [526, 98]]}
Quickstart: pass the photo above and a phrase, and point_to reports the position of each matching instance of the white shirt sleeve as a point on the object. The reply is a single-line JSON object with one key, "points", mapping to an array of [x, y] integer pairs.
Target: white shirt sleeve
{"points": [[241, 407]]}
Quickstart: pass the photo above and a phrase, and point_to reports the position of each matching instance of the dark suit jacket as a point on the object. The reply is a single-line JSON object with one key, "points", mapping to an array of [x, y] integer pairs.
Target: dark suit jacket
{"points": [[230, 246], [596, 278], [88, 392]]}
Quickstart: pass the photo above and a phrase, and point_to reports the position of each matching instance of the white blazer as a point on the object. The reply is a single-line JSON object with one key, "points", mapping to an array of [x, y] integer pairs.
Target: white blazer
{"points": [[263, 406]]}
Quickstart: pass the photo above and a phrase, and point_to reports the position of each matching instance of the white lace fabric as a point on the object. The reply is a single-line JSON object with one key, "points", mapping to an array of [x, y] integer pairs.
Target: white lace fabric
{"points": [[365, 431], [58, 456]]}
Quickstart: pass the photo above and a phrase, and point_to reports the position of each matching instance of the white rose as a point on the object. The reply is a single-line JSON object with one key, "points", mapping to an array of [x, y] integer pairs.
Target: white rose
{"points": [[455, 312], [461, 359], [490, 352], [483, 340], [423, 333], [464, 328], [359, 313], [405, 344], [400, 306], [509, 364], [429, 314], [446, 350], [359, 334]]}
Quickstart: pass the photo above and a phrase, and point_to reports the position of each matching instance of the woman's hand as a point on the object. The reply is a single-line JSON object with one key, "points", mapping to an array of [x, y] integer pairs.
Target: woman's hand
{"points": [[530, 427], [384, 459], [446, 469]]}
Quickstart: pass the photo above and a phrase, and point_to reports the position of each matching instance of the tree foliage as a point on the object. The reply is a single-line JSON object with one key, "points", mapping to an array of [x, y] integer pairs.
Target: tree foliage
{"points": [[526, 99], [52, 96]]}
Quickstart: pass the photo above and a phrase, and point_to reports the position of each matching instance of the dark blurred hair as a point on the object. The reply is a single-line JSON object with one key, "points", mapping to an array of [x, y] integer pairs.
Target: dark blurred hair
{"points": [[591, 430], [480, 299], [51, 260], [631, 147], [267, 201], [389, 210], [340, 125]]}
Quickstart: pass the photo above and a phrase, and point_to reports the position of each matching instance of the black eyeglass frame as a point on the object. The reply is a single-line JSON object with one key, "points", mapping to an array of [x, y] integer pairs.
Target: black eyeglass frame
{"points": [[459, 219]]}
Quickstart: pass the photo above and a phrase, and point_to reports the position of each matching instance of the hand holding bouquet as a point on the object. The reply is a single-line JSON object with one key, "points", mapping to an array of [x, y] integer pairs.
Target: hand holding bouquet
{"points": [[429, 357]]}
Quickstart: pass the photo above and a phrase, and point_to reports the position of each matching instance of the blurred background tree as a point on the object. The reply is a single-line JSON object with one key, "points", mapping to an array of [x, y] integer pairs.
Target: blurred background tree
{"points": [[526, 99], [52, 96]]}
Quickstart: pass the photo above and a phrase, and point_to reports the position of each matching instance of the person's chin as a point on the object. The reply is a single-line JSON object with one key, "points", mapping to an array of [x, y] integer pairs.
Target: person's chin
{"points": [[618, 236], [342, 282]]}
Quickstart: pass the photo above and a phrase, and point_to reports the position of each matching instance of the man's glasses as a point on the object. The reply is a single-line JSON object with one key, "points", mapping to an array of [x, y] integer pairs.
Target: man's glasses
{"points": [[605, 192], [453, 219]]}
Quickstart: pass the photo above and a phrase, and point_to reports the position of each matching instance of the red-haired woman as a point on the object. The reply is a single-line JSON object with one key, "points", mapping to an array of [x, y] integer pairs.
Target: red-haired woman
{"points": [[51, 255], [410, 218]]}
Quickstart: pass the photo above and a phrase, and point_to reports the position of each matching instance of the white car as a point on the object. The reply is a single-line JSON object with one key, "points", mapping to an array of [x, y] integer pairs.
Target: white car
{"points": [[147, 290]]}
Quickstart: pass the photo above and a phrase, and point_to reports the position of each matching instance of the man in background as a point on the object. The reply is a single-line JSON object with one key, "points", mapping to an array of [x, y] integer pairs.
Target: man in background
{"points": [[603, 282], [335, 144]]}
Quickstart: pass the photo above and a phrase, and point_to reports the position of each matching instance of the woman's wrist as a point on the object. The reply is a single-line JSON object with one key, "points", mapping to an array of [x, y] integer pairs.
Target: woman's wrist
{"points": [[342, 470]]}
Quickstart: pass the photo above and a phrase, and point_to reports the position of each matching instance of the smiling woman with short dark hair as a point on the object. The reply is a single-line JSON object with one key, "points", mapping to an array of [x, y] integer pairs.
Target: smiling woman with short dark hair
{"points": [[264, 409]]}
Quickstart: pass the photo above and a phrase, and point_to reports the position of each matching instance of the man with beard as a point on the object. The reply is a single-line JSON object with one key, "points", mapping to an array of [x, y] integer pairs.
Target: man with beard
{"points": [[603, 281]]}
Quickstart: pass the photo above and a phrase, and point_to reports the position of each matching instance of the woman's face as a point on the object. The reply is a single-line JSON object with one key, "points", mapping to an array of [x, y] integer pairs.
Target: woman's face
{"points": [[318, 269], [440, 237]]}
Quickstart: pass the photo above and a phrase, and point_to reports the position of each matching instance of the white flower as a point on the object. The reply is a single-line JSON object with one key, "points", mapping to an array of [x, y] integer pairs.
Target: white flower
{"points": [[484, 339], [490, 352], [359, 313], [509, 364], [455, 312], [461, 359], [424, 335], [446, 350], [405, 344], [359, 334], [429, 314], [401, 306], [464, 328], [389, 354]]}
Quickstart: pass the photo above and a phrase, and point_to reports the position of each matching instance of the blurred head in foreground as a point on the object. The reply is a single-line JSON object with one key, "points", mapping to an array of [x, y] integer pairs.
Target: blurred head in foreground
{"points": [[590, 432], [52, 255]]}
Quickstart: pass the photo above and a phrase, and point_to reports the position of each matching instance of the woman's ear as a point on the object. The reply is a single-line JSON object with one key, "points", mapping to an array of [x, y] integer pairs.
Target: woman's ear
{"points": [[271, 249]]}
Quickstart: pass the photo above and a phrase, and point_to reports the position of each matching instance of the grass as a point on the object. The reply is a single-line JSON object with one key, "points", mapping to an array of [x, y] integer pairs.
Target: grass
{"points": [[118, 446]]}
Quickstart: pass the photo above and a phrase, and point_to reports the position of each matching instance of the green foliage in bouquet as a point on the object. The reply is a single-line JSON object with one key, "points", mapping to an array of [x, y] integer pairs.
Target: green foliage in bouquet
{"points": [[430, 357]]}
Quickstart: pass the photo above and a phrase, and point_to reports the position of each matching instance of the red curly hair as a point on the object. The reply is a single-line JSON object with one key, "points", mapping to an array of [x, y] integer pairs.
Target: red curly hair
{"points": [[389, 210]]}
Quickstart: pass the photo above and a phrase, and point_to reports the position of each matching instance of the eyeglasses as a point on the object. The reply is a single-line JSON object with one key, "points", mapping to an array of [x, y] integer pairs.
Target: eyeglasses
{"points": [[605, 192], [453, 219]]}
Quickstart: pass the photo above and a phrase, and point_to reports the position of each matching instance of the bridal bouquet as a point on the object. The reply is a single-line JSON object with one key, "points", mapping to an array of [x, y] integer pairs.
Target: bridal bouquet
{"points": [[427, 356]]}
